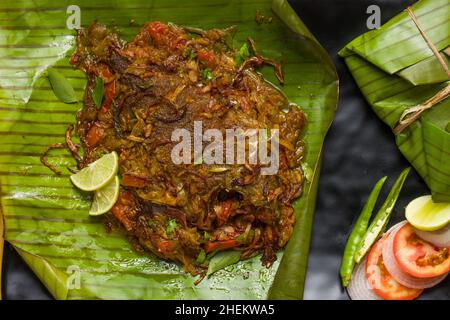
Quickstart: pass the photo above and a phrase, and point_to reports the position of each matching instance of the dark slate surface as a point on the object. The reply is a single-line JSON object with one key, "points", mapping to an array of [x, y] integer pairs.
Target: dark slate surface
{"points": [[359, 149]]}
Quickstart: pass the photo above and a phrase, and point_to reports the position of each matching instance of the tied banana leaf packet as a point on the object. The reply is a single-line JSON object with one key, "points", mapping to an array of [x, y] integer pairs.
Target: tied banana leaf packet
{"points": [[395, 69], [46, 219]]}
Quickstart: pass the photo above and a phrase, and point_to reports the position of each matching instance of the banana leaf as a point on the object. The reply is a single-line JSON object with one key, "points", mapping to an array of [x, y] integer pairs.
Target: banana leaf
{"points": [[395, 70], [46, 219]]}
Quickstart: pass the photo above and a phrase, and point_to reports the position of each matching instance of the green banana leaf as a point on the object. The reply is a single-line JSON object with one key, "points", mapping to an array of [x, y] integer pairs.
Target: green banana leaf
{"points": [[46, 219], [395, 69]]}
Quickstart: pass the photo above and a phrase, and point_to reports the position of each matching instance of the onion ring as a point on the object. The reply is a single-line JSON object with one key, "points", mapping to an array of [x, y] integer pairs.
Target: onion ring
{"points": [[359, 288], [440, 238]]}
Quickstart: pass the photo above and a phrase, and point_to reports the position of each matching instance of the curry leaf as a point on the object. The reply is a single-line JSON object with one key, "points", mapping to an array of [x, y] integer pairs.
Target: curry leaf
{"points": [[222, 260], [207, 74], [98, 92], [201, 257], [62, 88]]}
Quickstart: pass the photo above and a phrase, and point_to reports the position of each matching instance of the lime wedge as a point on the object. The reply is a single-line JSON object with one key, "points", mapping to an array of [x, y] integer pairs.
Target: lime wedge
{"points": [[424, 214], [105, 198], [98, 173]]}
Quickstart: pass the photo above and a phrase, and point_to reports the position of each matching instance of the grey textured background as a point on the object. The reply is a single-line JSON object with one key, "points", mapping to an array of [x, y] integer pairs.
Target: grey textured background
{"points": [[359, 150]]}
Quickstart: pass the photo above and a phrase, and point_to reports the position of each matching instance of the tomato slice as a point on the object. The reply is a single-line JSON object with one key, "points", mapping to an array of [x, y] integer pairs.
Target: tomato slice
{"points": [[94, 135], [224, 212], [110, 91], [207, 57], [220, 245], [165, 246], [122, 209], [381, 281], [418, 257], [129, 180], [156, 30]]}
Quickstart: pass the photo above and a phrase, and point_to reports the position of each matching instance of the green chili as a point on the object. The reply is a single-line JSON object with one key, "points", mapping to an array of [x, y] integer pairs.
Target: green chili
{"points": [[381, 219], [359, 230]]}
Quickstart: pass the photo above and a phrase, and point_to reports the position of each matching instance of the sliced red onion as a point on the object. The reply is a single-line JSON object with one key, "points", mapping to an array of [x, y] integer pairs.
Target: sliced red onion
{"points": [[440, 238], [394, 269], [359, 288]]}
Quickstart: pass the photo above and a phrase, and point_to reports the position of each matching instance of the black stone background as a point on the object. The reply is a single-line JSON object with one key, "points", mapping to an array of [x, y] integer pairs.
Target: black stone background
{"points": [[359, 150]]}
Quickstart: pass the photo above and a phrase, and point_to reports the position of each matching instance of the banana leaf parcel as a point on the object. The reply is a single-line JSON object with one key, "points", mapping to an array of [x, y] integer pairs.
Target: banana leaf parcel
{"points": [[46, 219], [396, 70]]}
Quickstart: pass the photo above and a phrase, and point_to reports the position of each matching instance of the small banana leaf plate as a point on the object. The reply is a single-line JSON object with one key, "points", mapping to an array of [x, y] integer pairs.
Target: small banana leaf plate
{"points": [[395, 69], [46, 219]]}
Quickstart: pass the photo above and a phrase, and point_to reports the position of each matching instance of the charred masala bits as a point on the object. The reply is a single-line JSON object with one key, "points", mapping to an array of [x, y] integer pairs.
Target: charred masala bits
{"points": [[166, 78]]}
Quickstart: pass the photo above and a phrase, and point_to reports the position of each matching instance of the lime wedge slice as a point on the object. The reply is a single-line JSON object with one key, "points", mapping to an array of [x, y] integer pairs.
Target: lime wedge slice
{"points": [[105, 198], [424, 214], [98, 173]]}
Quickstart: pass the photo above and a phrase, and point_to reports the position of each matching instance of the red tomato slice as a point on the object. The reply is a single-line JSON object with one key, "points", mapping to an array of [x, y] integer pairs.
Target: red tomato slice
{"points": [[165, 246], [381, 281], [156, 30], [129, 180], [110, 91], [220, 245], [418, 257], [123, 208], [207, 57], [94, 135], [224, 212]]}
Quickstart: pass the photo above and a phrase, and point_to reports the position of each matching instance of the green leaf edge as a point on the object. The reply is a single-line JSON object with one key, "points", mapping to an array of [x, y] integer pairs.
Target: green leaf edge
{"points": [[297, 249], [52, 278]]}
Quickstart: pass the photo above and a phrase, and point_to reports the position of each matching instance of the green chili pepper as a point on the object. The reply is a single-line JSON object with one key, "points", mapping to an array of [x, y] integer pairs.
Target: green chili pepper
{"points": [[381, 219], [359, 230]]}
